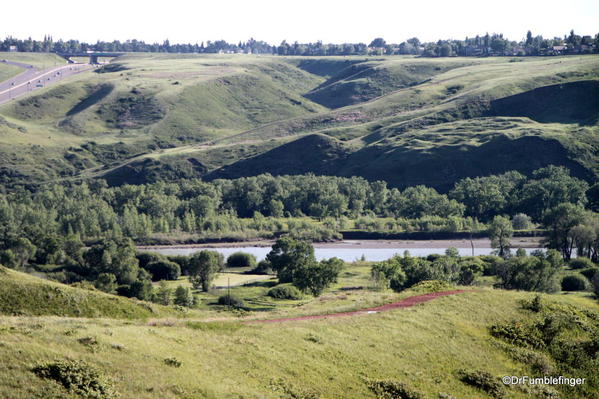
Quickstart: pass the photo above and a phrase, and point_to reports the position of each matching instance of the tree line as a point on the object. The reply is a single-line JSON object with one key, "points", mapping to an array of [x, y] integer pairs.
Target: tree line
{"points": [[42, 225], [480, 45]]}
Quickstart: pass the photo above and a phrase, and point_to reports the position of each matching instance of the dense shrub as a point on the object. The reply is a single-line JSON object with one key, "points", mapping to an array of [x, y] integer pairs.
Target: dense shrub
{"points": [[589, 272], [581, 263], [484, 381], [263, 267], [173, 362], [531, 273], [574, 283], [145, 258], [230, 300], [391, 389], [285, 292], [163, 270], [241, 259], [490, 263], [519, 334], [78, 377]]}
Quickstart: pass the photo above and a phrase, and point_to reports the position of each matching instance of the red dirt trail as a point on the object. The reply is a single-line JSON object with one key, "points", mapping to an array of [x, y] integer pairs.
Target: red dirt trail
{"points": [[404, 303]]}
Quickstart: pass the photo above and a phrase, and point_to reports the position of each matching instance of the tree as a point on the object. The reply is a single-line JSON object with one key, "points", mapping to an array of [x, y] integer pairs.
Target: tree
{"points": [[500, 232], [388, 274], [163, 295], [23, 250], [116, 257], [106, 282], [470, 268], [521, 221], [315, 277], [241, 259], [183, 296], [531, 273], [163, 270], [379, 42], [203, 267], [550, 187], [288, 255], [560, 221]]}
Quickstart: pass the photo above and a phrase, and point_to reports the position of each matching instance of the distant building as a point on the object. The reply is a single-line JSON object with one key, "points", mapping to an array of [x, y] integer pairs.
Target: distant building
{"points": [[13, 49], [559, 49]]}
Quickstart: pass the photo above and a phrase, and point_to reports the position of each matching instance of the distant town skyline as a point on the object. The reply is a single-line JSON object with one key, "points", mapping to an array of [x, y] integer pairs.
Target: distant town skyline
{"points": [[307, 21]]}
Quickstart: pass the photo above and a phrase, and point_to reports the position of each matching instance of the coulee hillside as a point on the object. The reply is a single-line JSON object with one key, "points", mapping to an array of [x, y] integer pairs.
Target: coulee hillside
{"points": [[146, 117]]}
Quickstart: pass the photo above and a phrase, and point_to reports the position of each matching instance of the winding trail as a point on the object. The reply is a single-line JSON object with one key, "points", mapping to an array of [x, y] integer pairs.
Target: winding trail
{"points": [[404, 303]]}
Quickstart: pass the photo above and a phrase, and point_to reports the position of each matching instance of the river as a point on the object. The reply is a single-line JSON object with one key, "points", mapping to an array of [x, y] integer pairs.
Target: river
{"points": [[349, 251]]}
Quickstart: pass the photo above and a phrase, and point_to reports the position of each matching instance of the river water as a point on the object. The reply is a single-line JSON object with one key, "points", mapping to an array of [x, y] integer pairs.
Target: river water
{"points": [[370, 250]]}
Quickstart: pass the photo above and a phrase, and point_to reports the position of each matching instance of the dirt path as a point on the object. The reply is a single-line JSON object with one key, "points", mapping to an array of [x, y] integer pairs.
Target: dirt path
{"points": [[404, 303]]}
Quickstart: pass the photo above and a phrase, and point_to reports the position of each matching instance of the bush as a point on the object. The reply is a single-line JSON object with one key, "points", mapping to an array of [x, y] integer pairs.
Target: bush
{"points": [[391, 389], [596, 284], [183, 296], [574, 283], [241, 259], [77, 377], [490, 264], [145, 258], [230, 300], [264, 267], [483, 381], [163, 270], [285, 292], [581, 263], [173, 362], [589, 272]]}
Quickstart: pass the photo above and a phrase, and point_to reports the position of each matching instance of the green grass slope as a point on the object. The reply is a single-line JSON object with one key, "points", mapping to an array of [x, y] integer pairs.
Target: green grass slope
{"points": [[7, 71], [402, 118], [424, 347], [26, 295]]}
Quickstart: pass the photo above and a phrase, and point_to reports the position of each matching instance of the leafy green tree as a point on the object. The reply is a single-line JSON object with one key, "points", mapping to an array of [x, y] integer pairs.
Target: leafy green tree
{"points": [[531, 273], [241, 259], [183, 296], [23, 250], [500, 232], [550, 187], [315, 277], [388, 274], [163, 294], [521, 221], [106, 282], [559, 222], [203, 267], [288, 255], [452, 252], [116, 257], [470, 269], [163, 270]]}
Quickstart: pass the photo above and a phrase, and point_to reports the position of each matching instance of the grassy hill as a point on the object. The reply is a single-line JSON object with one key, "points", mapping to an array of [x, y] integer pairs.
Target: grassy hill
{"points": [[424, 347], [147, 117], [25, 295]]}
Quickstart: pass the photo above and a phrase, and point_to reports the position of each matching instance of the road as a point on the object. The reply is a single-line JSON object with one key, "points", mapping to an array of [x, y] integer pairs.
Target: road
{"points": [[404, 303], [32, 79]]}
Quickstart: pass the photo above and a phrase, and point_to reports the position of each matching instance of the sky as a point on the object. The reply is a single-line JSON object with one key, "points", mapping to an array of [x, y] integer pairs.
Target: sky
{"points": [[332, 21]]}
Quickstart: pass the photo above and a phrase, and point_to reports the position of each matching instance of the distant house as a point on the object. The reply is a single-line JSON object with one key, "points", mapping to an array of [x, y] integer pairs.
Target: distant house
{"points": [[559, 49], [13, 49]]}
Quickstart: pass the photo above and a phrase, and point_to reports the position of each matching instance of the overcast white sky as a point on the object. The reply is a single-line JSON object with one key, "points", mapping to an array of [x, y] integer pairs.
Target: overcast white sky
{"points": [[305, 20]]}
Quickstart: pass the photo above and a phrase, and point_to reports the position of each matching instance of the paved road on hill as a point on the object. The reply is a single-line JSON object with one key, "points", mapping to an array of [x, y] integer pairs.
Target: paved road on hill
{"points": [[404, 303], [32, 79]]}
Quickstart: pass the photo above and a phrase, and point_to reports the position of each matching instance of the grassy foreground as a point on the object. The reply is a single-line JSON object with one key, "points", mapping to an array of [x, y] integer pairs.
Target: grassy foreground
{"points": [[423, 346]]}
